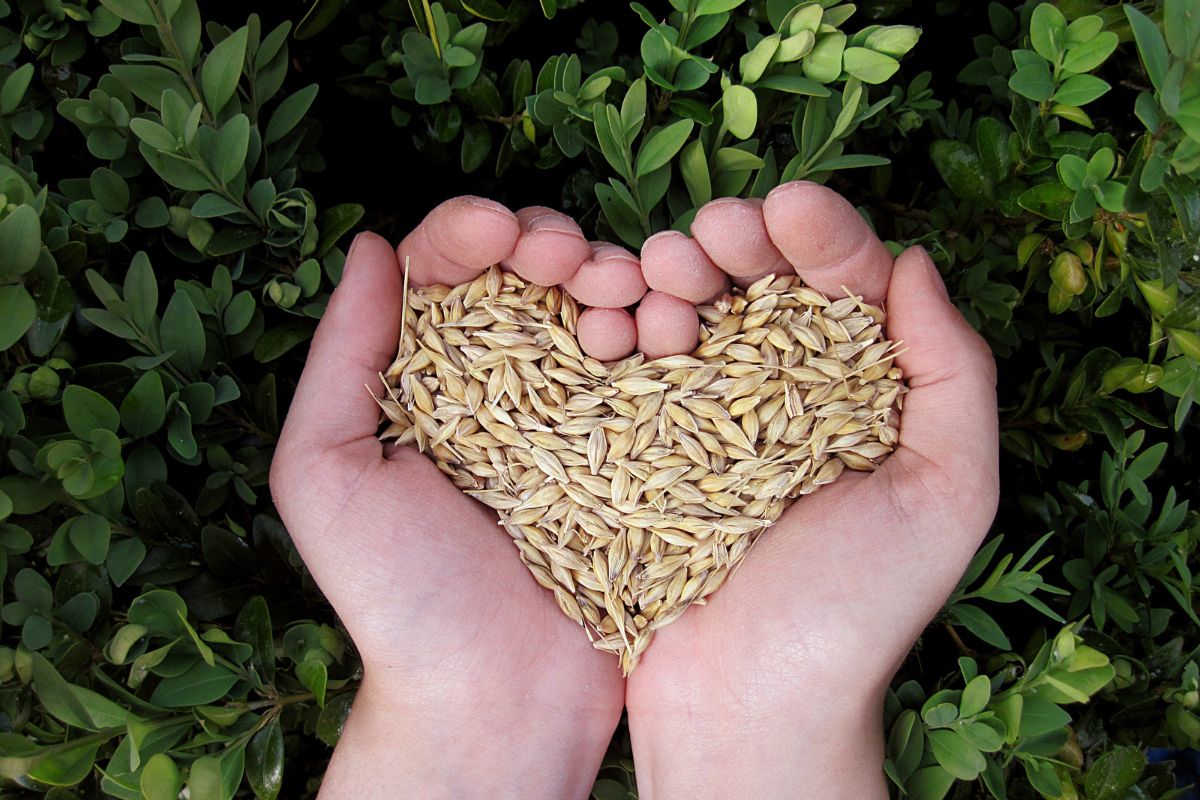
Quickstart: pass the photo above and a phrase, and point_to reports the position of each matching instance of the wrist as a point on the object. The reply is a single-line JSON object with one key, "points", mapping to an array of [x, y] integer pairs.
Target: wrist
{"points": [[405, 742], [808, 745]]}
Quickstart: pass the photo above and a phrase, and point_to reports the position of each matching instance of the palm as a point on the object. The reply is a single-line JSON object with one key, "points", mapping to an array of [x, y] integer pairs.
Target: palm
{"points": [[424, 579], [836, 592]]}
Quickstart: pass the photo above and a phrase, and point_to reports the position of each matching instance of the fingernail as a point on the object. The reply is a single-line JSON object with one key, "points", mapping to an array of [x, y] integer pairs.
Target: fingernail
{"points": [[358, 237], [554, 223], [489, 205]]}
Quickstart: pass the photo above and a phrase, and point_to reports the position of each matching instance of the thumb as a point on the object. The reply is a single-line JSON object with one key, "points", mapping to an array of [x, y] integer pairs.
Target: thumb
{"points": [[948, 429]]}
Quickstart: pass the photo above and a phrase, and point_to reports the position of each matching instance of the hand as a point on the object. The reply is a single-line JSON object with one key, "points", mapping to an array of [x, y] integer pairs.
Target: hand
{"points": [[775, 688], [475, 683]]}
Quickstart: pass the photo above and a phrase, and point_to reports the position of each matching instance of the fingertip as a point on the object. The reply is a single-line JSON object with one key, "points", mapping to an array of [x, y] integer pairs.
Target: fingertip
{"points": [[471, 231], [666, 326], [611, 278], [550, 249], [674, 263], [607, 334], [826, 240], [732, 234]]}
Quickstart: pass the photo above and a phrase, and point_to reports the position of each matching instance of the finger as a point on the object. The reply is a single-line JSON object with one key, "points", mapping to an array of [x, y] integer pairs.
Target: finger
{"points": [[674, 263], [731, 231], [666, 326], [948, 429], [356, 340], [551, 247], [608, 334], [827, 241], [610, 278], [458, 240]]}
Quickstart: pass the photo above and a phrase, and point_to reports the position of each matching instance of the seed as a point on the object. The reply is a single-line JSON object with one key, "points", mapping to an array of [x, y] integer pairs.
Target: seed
{"points": [[634, 489]]}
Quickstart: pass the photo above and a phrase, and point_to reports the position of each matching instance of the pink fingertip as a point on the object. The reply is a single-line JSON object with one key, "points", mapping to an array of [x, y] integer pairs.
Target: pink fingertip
{"points": [[611, 278], [674, 263], [472, 231], [607, 334], [550, 249], [732, 233], [666, 326]]}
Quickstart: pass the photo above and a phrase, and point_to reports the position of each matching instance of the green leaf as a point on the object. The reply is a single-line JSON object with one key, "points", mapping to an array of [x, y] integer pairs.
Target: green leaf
{"points": [[1088, 55], [611, 139], [975, 696], [253, 626], [233, 143], [333, 718], [280, 339], [314, 675], [123, 559], [1079, 90], [893, 40], [136, 11], [1033, 80], [1039, 717], [1150, 44], [160, 779], [205, 781], [90, 535], [1051, 200], [1048, 31], [740, 108], [198, 685], [991, 142], [824, 63], [1073, 171], [869, 66], [58, 697], [955, 755], [319, 16], [20, 241], [980, 623], [86, 410], [183, 333], [144, 409], [633, 109], [793, 84], [160, 611], [67, 764], [929, 783], [705, 7], [17, 312], [14, 88], [476, 144], [1114, 773], [961, 169], [289, 113], [694, 169], [223, 69], [661, 146], [264, 761]]}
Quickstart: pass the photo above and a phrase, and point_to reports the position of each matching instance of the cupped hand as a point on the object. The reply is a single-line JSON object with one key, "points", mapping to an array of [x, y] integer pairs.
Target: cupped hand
{"points": [[475, 683], [775, 688]]}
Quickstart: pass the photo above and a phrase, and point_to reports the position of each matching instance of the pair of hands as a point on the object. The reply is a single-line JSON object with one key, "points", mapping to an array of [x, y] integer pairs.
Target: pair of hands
{"points": [[477, 685]]}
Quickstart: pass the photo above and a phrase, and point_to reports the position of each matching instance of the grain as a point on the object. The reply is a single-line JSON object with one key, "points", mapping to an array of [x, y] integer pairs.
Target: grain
{"points": [[632, 490]]}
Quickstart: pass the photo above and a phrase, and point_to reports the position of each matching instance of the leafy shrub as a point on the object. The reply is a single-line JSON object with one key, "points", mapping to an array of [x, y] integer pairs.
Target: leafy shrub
{"points": [[172, 212]]}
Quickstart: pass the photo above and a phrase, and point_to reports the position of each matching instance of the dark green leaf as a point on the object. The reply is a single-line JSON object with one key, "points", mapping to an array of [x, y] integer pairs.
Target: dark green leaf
{"points": [[183, 333], [222, 70], [264, 761], [199, 684]]}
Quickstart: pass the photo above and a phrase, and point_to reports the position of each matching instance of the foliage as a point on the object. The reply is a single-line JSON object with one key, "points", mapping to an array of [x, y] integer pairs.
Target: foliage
{"points": [[169, 235]]}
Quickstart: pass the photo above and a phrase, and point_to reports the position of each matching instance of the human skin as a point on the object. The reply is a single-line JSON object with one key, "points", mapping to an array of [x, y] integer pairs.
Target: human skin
{"points": [[476, 685]]}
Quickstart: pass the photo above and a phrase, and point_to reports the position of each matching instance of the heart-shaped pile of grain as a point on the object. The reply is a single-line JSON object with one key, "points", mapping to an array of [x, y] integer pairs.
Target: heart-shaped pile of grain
{"points": [[632, 490]]}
